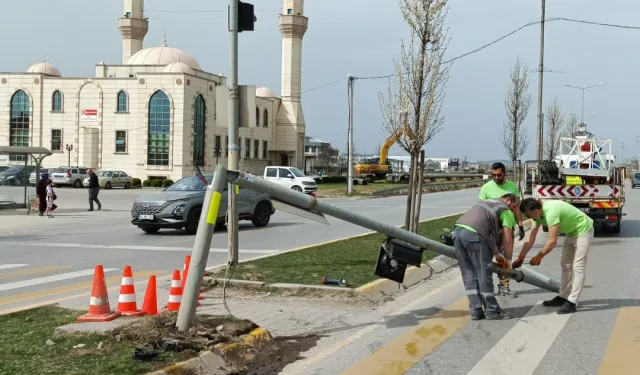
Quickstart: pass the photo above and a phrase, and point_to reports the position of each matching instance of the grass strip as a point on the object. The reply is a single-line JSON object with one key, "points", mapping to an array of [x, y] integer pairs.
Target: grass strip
{"points": [[353, 259]]}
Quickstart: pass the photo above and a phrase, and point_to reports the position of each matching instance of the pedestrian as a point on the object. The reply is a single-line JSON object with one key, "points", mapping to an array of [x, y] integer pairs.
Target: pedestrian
{"points": [[495, 189], [41, 192], [560, 217], [478, 236], [50, 198], [94, 189]]}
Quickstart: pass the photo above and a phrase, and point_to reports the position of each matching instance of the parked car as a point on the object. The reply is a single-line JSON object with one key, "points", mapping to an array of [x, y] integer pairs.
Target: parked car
{"points": [[17, 175], [32, 176], [108, 178], [179, 206], [69, 176], [291, 178], [635, 180]]}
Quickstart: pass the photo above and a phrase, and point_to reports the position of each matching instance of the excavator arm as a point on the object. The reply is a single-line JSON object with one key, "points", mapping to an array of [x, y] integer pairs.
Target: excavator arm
{"points": [[384, 150]]}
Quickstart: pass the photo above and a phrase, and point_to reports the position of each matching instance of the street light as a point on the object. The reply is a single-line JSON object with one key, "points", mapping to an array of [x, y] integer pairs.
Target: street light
{"points": [[69, 148], [583, 90]]}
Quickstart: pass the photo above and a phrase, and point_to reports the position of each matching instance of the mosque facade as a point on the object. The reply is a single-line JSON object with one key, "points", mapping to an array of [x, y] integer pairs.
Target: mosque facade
{"points": [[158, 114]]}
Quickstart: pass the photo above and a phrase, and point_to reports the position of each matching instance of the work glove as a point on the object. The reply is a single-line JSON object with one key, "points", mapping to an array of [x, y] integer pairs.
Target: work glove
{"points": [[521, 232], [518, 262], [503, 262], [536, 260]]}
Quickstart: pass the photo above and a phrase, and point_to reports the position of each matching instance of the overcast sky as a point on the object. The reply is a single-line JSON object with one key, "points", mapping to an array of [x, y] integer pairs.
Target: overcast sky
{"points": [[361, 38]]}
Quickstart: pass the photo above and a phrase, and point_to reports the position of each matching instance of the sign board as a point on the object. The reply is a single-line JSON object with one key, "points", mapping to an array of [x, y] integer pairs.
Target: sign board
{"points": [[89, 115]]}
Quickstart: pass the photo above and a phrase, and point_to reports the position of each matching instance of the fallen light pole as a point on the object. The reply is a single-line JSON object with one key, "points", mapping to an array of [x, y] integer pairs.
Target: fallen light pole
{"points": [[401, 248]]}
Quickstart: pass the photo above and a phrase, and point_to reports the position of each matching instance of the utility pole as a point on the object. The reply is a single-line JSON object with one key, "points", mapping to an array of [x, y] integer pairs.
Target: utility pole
{"points": [[622, 152], [234, 125], [350, 80], [539, 149]]}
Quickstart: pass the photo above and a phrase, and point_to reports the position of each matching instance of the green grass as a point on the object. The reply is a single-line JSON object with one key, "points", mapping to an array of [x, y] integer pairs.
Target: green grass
{"points": [[341, 188], [23, 347], [353, 259]]}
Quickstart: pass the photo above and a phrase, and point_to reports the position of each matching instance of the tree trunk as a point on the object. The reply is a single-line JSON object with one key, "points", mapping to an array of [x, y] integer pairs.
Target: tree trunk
{"points": [[409, 213], [418, 196]]}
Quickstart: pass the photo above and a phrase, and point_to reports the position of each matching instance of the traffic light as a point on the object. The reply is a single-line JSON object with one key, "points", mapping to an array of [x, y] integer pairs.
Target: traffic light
{"points": [[246, 17]]}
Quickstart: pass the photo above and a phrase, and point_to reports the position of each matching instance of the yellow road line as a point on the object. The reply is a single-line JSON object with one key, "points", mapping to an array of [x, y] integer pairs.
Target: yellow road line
{"points": [[399, 355], [18, 298], [623, 351], [31, 271]]}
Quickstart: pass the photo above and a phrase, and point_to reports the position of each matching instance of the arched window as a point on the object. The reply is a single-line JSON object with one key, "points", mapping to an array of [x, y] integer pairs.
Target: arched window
{"points": [[19, 122], [56, 101], [159, 129], [123, 102], [199, 113], [265, 120], [257, 116]]}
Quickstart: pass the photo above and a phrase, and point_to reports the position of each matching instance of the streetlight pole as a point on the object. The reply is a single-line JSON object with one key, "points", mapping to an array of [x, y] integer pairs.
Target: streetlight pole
{"points": [[583, 90], [234, 124], [350, 80], [540, 81], [69, 149]]}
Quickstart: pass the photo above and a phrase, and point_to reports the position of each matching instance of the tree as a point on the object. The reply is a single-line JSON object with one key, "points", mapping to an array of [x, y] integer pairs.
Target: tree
{"points": [[571, 127], [517, 102], [555, 122], [411, 112]]}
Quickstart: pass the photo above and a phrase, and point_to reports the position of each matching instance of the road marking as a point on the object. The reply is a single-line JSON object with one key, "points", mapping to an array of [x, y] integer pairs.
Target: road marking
{"points": [[50, 279], [298, 366], [9, 266], [621, 356], [525, 345], [31, 271], [131, 247], [399, 355]]}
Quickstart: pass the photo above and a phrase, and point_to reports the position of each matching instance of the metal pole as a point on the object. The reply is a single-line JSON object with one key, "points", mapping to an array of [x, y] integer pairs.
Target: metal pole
{"points": [[582, 106], [200, 253], [309, 203], [350, 79], [540, 81], [234, 124]]}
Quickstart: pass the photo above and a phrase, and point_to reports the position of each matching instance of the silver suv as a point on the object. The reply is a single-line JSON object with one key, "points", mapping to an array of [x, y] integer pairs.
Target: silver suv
{"points": [[69, 176], [179, 206]]}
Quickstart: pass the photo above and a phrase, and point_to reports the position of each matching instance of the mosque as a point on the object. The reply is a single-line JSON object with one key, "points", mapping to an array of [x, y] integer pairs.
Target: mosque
{"points": [[158, 114]]}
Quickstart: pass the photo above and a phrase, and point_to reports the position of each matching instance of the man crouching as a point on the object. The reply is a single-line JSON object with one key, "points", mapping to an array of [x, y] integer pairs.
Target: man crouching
{"points": [[477, 237]]}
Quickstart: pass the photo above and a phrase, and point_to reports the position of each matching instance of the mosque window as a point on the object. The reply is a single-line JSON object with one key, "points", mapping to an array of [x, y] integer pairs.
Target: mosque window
{"points": [[56, 139], [159, 128], [56, 101], [257, 116], [123, 103], [265, 145], [256, 148], [199, 114], [19, 119], [265, 120], [247, 150]]}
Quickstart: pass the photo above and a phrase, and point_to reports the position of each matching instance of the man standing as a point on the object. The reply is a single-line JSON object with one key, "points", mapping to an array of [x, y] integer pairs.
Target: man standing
{"points": [[560, 217], [494, 189], [94, 189], [478, 236]]}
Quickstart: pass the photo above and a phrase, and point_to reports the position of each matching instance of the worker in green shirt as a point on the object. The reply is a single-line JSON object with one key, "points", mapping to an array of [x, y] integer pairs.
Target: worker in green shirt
{"points": [[495, 189], [560, 217]]}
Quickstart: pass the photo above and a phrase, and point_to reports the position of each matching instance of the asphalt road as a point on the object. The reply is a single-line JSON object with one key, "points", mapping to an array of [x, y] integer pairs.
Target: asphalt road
{"points": [[430, 331], [50, 259]]}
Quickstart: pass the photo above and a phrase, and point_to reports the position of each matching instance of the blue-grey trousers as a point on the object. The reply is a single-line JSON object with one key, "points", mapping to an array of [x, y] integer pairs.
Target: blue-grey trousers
{"points": [[474, 260]]}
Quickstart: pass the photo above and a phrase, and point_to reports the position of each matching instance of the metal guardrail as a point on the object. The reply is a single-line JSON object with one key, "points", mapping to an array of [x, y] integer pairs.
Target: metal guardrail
{"points": [[425, 187]]}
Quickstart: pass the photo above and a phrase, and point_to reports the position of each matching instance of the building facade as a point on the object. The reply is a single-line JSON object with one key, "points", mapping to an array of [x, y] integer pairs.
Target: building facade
{"points": [[158, 114], [319, 154]]}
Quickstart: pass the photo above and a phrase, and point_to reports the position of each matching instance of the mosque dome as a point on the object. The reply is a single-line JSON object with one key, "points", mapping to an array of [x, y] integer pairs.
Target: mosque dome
{"points": [[163, 55], [178, 67], [44, 68], [265, 92]]}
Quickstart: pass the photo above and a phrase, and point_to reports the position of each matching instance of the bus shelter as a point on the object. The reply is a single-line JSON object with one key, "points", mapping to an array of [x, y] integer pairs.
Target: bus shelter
{"points": [[37, 154]]}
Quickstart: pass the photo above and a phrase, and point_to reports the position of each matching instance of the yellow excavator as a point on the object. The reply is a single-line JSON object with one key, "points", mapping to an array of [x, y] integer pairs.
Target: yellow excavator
{"points": [[378, 168]]}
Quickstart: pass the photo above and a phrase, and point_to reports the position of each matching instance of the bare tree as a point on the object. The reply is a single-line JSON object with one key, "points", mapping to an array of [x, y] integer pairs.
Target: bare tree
{"points": [[571, 127], [517, 102], [412, 109], [555, 123]]}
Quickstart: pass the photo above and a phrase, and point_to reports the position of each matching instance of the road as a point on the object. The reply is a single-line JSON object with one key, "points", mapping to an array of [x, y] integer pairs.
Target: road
{"points": [[53, 259], [430, 331]]}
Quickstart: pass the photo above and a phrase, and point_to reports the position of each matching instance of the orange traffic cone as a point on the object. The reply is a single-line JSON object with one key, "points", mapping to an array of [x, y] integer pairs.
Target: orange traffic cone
{"points": [[127, 298], [99, 309], [175, 293], [185, 272], [150, 304]]}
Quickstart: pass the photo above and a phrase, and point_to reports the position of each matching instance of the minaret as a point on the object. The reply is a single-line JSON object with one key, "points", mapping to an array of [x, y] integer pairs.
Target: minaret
{"points": [[293, 25], [133, 27]]}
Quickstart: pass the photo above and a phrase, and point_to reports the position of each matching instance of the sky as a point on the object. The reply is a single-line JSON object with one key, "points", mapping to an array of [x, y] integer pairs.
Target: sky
{"points": [[354, 37]]}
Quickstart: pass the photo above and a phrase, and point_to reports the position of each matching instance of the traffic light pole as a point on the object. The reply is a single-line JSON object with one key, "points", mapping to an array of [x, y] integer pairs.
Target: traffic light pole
{"points": [[234, 119]]}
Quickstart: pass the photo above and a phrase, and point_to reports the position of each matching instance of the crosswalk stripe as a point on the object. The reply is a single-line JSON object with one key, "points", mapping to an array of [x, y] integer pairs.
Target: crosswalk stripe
{"points": [[525, 345], [399, 355], [49, 279], [9, 266], [622, 356], [30, 271], [132, 247]]}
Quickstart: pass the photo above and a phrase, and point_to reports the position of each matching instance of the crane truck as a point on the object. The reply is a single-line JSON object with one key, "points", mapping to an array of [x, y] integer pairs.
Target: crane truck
{"points": [[585, 175]]}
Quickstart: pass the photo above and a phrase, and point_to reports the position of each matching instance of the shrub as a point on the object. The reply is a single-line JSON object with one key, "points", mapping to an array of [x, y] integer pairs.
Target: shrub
{"points": [[156, 183], [167, 182], [135, 182], [146, 183]]}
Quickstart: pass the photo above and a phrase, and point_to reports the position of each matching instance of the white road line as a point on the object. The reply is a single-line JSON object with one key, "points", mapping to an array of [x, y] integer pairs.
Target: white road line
{"points": [[130, 247], [9, 266], [523, 347], [49, 279]]}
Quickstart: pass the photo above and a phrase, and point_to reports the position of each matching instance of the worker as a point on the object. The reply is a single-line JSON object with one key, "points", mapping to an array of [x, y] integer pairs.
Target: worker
{"points": [[494, 189], [477, 237], [560, 217]]}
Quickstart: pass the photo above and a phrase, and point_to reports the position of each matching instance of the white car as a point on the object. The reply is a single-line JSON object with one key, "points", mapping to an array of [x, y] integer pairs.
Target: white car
{"points": [[290, 177], [69, 176], [32, 176]]}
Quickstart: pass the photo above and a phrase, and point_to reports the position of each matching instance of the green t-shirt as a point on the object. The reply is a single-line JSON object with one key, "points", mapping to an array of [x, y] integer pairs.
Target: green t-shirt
{"points": [[571, 220], [507, 218], [491, 190]]}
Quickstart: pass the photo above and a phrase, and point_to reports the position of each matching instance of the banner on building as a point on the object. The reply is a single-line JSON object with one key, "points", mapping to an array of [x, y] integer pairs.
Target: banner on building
{"points": [[89, 115]]}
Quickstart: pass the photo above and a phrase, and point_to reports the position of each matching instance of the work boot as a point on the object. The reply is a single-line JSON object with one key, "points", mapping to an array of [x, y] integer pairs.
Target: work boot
{"points": [[477, 314], [567, 308], [505, 291], [557, 301], [500, 316]]}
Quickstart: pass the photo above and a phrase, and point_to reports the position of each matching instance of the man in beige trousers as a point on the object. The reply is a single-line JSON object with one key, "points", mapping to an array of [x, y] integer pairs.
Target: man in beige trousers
{"points": [[560, 217]]}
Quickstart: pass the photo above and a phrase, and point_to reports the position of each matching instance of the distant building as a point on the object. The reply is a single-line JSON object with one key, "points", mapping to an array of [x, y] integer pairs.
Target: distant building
{"points": [[319, 154]]}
